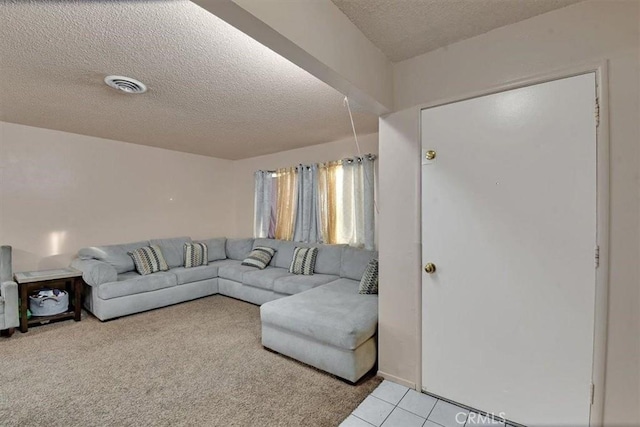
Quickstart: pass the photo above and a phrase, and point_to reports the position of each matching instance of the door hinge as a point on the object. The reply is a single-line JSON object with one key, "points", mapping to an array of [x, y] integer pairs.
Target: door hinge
{"points": [[597, 112], [597, 256], [592, 393]]}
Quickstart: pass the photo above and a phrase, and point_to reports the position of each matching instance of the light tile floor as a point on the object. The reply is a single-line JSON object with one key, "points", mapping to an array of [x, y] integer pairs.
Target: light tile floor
{"points": [[394, 405]]}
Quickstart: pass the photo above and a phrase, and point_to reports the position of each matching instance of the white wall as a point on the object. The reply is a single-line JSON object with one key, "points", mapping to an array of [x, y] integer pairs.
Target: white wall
{"points": [[244, 169], [61, 191], [587, 31]]}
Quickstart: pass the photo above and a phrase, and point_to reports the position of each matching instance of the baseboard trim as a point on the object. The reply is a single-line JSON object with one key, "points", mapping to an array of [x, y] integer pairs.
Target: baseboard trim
{"points": [[397, 380]]}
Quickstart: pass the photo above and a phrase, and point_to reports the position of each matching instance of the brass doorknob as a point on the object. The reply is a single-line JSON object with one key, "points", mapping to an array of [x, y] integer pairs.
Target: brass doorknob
{"points": [[430, 155], [430, 268]]}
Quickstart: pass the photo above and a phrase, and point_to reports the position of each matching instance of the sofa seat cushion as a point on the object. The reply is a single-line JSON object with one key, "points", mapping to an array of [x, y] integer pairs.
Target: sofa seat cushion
{"points": [[128, 284], [232, 269], [264, 279], [294, 284], [195, 274], [334, 314]]}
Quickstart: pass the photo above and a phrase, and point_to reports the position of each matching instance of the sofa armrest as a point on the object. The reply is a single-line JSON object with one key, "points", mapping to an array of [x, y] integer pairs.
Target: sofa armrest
{"points": [[9, 291], [95, 272]]}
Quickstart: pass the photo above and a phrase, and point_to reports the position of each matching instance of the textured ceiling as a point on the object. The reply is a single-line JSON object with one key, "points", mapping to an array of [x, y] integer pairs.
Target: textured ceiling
{"points": [[403, 29], [212, 89]]}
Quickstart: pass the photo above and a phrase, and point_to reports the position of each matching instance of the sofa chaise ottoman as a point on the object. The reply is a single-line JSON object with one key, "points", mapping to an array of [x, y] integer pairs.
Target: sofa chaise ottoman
{"points": [[331, 327]]}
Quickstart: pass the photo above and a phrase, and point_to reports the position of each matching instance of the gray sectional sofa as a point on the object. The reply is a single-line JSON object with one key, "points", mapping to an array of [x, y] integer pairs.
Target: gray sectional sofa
{"points": [[319, 319]]}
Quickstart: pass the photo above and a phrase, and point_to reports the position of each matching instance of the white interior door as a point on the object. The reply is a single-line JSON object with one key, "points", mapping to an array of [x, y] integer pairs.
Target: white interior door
{"points": [[509, 220]]}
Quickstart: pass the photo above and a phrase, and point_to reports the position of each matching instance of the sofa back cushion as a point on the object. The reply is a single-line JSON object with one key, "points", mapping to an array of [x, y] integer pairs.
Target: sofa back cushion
{"points": [[172, 249], [238, 249], [329, 259], [216, 248], [355, 261], [284, 256], [114, 255]]}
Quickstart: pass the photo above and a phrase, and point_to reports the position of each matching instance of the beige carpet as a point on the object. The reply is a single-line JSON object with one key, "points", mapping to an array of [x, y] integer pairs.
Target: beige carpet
{"points": [[196, 363]]}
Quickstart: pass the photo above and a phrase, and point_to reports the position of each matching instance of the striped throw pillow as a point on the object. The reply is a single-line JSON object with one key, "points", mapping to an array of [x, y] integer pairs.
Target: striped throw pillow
{"points": [[195, 254], [148, 260], [369, 281], [259, 257], [304, 261]]}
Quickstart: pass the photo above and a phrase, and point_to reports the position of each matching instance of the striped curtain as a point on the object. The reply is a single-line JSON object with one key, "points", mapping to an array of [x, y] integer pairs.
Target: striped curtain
{"points": [[286, 200], [327, 200]]}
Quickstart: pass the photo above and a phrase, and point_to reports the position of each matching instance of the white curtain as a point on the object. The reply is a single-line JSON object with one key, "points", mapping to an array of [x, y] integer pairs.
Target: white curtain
{"points": [[263, 203], [307, 221], [355, 219]]}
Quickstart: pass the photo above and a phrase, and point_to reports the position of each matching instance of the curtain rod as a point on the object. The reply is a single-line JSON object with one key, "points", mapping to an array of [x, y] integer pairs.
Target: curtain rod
{"points": [[368, 156]]}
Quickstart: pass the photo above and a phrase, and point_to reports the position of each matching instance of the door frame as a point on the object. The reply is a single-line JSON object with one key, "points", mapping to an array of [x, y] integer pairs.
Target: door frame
{"points": [[600, 68]]}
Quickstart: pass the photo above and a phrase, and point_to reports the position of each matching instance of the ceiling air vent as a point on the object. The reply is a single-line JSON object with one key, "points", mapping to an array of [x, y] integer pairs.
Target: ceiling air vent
{"points": [[125, 84]]}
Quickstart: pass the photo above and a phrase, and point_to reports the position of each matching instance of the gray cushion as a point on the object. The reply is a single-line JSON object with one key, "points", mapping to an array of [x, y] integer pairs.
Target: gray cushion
{"points": [[264, 279], [216, 248], [260, 257], [296, 283], [355, 261], [114, 255], [128, 275], [329, 259], [196, 254], [369, 282], [334, 313], [172, 249], [285, 253], [234, 271], [238, 249], [137, 284], [194, 274], [304, 261], [149, 260]]}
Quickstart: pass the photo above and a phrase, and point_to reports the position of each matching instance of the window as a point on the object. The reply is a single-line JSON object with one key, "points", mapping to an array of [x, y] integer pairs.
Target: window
{"points": [[327, 202]]}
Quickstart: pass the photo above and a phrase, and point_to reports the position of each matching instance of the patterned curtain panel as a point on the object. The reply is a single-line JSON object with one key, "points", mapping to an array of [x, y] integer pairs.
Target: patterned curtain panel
{"points": [[286, 203], [262, 203], [307, 224], [327, 200]]}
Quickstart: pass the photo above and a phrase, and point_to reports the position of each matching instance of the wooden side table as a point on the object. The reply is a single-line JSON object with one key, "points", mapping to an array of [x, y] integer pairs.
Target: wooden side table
{"points": [[68, 279]]}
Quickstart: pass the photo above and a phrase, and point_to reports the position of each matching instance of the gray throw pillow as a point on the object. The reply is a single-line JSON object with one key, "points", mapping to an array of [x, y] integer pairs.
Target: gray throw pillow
{"points": [[149, 260], [195, 254], [259, 257], [369, 281], [304, 261]]}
